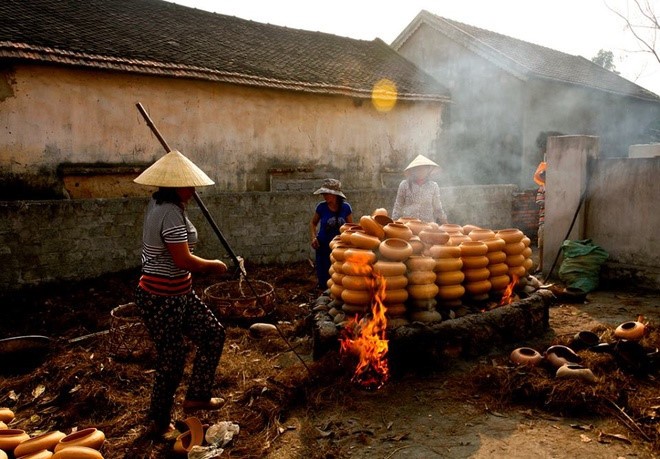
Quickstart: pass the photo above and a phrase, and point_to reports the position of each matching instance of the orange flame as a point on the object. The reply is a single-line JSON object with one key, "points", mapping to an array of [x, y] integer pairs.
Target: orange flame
{"points": [[507, 298], [367, 339]]}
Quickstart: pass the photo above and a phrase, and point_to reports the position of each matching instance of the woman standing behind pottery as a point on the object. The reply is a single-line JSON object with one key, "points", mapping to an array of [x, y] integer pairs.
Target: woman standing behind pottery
{"points": [[329, 215], [418, 196], [166, 301]]}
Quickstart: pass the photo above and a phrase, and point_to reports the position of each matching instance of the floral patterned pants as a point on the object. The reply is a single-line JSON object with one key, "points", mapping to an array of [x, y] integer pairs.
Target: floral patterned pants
{"points": [[170, 320]]}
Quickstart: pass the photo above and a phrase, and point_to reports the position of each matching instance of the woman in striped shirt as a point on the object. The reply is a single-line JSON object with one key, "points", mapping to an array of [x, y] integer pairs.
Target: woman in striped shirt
{"points": [[168, 305]]}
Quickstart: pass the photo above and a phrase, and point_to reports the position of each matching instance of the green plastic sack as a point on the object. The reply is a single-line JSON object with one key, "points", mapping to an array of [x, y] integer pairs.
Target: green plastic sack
{"points": [[580, 267]]}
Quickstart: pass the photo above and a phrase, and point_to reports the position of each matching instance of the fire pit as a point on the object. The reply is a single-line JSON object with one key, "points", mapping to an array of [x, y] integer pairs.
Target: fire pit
{"points": [[419, 344]]}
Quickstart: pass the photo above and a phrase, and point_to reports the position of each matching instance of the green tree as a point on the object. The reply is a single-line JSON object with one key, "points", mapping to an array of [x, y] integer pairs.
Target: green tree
{"points": [[605, 59]]}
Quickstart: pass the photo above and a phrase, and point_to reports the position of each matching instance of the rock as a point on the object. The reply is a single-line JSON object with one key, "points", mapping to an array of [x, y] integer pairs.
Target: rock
{"points": [[259, 330]]}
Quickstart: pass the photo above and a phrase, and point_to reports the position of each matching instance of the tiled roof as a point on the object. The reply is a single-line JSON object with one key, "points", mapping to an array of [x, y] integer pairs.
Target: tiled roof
{"points": [[162, 38], [527, 60]]}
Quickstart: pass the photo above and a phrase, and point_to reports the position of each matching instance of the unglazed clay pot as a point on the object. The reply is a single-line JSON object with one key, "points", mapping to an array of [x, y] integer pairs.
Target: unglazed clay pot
{"points": [[365, 240], [498, 269], [476, 274], [496, 257], [430, 236], [417, 226], [42, 454], [451, 227], [90, 437], [481, 287], [395, 296], [421, 277], [395, 249], [475, 262], [559, 355], [11, 438], [77, 452], [575, 371], [382, 220], [397, 230], [395, 282], [514, 248], [449, 278], [380, 211], [363, 256], [473, 248], [499, 283], [357, 297], [451, 292], [420, 263], [445, 251], [422, 291], [194, 436], [632, 330], [481, 234], [389, 268], [371, 226], [357, 282], [526, 356], [6, 414], [46, 441], [510, 235], [458, 239], [448, 264], [417, 244], [347, 226], [494, 244]]}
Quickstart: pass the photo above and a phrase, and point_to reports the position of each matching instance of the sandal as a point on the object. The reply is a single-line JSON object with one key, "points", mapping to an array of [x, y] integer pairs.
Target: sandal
{"points": [[214, 403]]}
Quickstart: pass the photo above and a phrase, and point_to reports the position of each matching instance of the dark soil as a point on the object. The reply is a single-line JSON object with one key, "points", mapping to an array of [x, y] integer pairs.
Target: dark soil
{"points": [[290, 406]]}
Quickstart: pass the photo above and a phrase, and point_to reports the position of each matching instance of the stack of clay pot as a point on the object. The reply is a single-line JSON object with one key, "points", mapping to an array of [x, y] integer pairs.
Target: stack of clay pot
{"points": [[422, 289], [528, 263], [475, 262], [499, 271], [514, 247], [448, 275], [456, 235], [83, 444], [393, 275], [357, 281]]}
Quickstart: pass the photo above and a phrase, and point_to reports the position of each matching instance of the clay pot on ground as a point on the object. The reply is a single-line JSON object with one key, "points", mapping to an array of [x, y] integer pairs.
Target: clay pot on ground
{"points": [[559, 355], [11, 438], [46, 441], [194, 436], [584, 340], [77, 452], [575, 371], [632, 330], [43, 454], [6, 414], [526, 356], [90, 437]]}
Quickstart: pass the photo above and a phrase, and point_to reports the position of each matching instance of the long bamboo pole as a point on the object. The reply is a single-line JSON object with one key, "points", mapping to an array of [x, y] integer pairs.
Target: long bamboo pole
{"points": [[217, 231]]}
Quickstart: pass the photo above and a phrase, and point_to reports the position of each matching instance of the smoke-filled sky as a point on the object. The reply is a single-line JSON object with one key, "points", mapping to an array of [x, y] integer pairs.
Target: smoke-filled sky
{"points": [[578, 27]]}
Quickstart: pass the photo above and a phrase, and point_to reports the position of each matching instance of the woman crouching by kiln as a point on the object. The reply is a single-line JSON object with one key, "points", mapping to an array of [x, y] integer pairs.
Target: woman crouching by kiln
{"points": [[169, 307]]}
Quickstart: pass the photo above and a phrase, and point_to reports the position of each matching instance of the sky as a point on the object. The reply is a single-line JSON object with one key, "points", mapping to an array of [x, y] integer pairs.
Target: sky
{"points": [[578, 27]]}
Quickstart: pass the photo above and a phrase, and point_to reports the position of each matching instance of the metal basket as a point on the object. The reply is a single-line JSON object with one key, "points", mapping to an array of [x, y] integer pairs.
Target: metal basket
{"points": [[236, 299], [127, 337]]}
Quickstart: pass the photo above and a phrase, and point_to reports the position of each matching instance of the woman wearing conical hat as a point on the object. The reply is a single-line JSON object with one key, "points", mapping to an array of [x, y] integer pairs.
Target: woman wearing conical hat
{"points": [[418, 196], [168, 305]]}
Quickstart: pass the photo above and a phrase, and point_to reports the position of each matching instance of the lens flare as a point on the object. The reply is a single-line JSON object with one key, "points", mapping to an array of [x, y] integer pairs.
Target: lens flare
{"points": [[384, 95]]}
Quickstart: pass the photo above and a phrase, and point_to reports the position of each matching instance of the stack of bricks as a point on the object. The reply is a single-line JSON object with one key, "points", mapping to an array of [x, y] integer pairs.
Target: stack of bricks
{"points": [[525, 213]]}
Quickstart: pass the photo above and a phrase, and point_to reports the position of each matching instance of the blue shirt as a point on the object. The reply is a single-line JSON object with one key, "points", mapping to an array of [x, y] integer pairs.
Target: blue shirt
{"points": [[331, 221]]}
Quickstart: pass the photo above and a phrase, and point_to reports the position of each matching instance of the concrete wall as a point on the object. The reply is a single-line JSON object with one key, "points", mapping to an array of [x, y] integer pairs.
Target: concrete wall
{"points": [[620, 210], [236, 134], [44, 241]]}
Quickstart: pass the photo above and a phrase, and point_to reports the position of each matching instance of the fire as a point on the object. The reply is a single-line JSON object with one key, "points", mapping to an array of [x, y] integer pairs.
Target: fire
{"points": [[507, 298], [366, 339]]}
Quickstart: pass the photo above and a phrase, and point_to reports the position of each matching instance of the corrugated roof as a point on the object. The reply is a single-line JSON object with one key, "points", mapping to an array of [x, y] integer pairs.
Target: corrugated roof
{"points": [[162, 38], [526, 60]]}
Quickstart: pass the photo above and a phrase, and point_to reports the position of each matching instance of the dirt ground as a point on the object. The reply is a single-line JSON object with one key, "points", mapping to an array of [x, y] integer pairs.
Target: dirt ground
{"points": [[286, 409]]}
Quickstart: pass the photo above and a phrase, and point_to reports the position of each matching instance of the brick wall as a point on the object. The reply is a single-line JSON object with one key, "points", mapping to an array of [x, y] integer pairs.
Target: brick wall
{"points": [[525, 213], [42, 241]]}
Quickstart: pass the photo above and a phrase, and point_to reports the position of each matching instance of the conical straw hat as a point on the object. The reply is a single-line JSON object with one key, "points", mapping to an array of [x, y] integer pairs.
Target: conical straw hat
{"points": [[420, 160], [173, 171]]}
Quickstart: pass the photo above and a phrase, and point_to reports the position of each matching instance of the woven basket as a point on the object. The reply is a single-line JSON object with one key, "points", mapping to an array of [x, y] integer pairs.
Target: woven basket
{"points": [[128, 337], [236, 299]]}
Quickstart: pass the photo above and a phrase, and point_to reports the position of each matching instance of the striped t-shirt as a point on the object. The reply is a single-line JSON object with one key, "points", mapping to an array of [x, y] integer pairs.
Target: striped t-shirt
{"points": [[165, 223]]}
